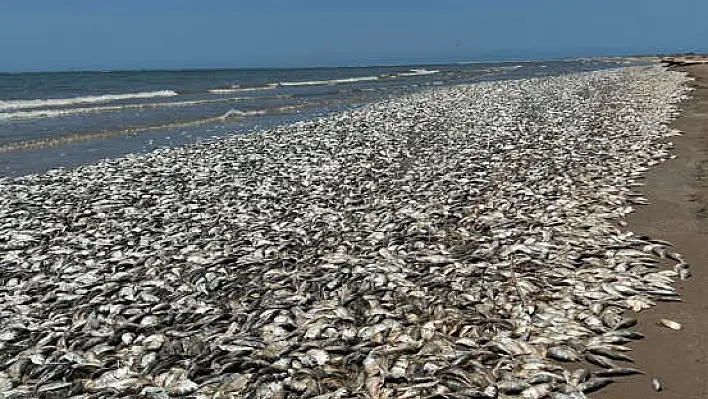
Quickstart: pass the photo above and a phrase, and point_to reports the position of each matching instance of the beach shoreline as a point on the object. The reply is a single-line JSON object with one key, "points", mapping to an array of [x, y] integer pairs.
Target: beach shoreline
{"points": [[457, 239], [68, 121], [678, 194]]}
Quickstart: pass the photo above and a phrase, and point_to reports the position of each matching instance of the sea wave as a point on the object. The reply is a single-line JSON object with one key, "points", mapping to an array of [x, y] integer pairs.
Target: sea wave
{"points": [[58, 102], [418, 72], [227, 117], [45, 142], [328, 82], [238, 89], [51, 113], [296, 83], [510, 68]]}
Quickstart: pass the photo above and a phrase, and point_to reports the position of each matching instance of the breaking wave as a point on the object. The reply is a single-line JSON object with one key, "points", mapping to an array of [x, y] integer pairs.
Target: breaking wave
{"points": [[418, 72], [57, 102], [329, 82], [238, 89], [50, 113], [85, 136]]}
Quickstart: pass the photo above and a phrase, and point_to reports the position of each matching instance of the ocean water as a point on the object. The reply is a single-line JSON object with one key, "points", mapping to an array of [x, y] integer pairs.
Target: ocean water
{"points": [[51, 120]]}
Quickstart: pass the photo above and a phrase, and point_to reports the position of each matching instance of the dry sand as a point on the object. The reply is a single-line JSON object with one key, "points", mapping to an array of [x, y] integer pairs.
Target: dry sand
{"points": [[678, 191]]}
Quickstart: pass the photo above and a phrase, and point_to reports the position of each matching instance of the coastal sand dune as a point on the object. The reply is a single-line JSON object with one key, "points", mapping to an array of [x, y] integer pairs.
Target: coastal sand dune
{"points": [[460, 242]]}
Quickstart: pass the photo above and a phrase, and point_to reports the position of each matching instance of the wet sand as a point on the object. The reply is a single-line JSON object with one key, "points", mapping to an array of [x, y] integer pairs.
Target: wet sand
{"points": [[678, 191]]}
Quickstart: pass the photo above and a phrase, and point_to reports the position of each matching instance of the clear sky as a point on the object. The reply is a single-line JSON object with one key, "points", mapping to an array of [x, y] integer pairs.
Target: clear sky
{"points": [[141, 34]]}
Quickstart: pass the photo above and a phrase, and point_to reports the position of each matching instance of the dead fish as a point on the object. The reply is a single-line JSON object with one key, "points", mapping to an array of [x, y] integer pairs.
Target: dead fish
{"points": [[578, 376], [538, 391], [271, 390], [176, 382], [373, 387], [626, 322], [684, 274], [670, 324], [599, 360], [563, 353], [593, 384], [5, 382], [608, 339], [120, 380], [617, 372], [627, 334], [399, 369], [570, 395], [612, 354], [544, 378], [675, 256], [656, 384], [50, 387], [153, 342], [512, 387], [437, 259]]}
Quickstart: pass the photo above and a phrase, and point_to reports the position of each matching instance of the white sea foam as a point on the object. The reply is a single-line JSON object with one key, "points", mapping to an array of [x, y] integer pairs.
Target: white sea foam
{"points": [[329, 82], [236, 89], [58, 102], [418, 72], [235, 113], [51, 113], [510, 68]]}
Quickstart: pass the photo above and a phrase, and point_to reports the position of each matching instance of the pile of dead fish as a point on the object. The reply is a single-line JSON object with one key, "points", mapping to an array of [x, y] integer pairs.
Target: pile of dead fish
{"points": [[462, 242]]}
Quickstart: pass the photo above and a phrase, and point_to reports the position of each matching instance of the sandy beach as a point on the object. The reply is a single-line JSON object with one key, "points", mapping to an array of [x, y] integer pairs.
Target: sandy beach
{"points": [[678, 192]]}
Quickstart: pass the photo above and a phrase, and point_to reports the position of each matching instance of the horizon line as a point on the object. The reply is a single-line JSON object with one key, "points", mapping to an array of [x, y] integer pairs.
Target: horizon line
{"points": [[373, 65]]}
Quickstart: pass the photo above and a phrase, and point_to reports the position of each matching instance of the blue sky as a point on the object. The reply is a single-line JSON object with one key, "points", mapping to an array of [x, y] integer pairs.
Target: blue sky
{"points": [[137, 34]]}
